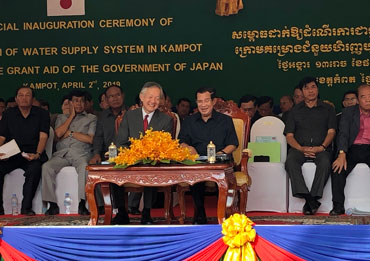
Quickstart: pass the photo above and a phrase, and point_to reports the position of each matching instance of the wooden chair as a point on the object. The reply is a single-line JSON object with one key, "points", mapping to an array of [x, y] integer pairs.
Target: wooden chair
{"points": [[242, 126], [167, 190]]}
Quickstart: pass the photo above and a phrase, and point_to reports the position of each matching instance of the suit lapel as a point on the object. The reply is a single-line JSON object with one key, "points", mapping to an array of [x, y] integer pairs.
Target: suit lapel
{"points": [[138, 118], [153, 122]]}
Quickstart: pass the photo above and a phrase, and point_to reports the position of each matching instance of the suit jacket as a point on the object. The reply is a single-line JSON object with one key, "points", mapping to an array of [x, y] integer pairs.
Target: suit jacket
{"points": [[132, 125], [349, 126]]}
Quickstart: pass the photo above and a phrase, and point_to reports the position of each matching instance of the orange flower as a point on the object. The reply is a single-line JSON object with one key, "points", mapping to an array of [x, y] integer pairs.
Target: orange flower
{"points": [[154, 146]]}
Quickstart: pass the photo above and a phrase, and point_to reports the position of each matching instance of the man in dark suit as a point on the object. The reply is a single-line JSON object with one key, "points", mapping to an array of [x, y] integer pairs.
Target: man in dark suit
{"points": [[135, 122], [353, 142]]}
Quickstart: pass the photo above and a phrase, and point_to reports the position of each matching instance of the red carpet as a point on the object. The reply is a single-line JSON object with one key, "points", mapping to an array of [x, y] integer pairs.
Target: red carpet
{"points": [[265, 218]]}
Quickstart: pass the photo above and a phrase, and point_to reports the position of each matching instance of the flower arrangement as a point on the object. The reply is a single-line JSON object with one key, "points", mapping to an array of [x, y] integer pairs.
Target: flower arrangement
{"points": [[152, 148]]}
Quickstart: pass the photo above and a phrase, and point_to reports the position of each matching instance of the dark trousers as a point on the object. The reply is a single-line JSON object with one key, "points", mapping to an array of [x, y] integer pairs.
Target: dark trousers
{"points": [[134, 199], [32, 177], [197, 191], [356, 154], [293, 166], [118, 195]]}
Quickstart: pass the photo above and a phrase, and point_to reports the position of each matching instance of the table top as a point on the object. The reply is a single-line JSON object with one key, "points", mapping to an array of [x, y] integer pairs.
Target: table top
{"points": [[163, 166]]}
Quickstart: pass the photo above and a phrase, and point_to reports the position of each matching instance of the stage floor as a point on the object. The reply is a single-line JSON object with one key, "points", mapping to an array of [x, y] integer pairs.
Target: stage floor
{"points": [[263, 218]]}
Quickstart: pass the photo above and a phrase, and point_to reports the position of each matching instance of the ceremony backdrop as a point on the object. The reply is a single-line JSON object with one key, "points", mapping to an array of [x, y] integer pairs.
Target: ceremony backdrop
{"points": [[264, 49]]}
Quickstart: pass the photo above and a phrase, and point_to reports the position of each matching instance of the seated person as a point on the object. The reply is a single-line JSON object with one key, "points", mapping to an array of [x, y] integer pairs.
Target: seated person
{"points": [[103, 104], [196, 133], [309, 130], [265, 105], [29, 126], [248, 104], [134, 123], [297, 95], [353, 144], [11, 102], [349, 99], [286, 104], [75, 132], [183, 107], [106, 130], [89, 104]]}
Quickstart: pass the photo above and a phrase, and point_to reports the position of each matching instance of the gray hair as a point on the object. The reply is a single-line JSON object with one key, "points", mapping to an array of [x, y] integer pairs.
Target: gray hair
{"points": [[148, 85]]}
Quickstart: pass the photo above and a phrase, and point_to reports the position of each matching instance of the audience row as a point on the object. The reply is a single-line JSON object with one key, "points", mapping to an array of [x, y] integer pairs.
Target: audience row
{"points": [[82, 137]]}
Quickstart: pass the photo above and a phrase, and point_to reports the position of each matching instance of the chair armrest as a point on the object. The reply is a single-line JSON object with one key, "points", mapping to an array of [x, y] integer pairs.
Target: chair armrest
{"points": [[244, 164]]}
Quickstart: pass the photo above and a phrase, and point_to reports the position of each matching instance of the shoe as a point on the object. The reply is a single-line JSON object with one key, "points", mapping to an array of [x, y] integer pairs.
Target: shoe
{"points": [[201, 218], [28, 212], [82, 210], [306, 209], [146, 219], [200, 221], [53, 210], [134, 211], [314, 205], [336, 212], [121, 218], [338, 209]]}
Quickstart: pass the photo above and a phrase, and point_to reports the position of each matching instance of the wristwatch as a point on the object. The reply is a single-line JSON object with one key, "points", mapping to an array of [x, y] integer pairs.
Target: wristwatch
{"points": [[71, 134]]}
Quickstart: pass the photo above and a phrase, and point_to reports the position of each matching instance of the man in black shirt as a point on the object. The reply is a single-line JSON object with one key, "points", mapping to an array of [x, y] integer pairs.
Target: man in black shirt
{"points": [[196, 133], [310, 129], [29, 126]]}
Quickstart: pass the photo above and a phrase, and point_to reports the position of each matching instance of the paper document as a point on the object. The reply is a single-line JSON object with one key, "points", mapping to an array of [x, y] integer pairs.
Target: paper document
{"points": [[9, 149]]}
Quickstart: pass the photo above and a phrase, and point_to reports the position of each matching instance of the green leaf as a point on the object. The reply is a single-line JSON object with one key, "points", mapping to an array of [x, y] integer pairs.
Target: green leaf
{"points": [[123, 166], [167, 161], [147, 161], [190, 162], [153, 162], [120, 166]]}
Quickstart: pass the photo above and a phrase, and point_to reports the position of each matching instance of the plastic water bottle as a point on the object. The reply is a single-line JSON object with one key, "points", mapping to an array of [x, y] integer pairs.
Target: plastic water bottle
{"points": [[14, 205], [112, 150], [349, 211], [67, 203]]}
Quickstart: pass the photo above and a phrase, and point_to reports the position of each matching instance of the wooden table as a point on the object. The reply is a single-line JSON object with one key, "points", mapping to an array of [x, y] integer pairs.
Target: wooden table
{"points": [[158, 176]]}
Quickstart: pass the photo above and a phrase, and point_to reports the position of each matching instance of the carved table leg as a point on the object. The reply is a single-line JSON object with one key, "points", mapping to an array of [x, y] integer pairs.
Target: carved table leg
{"points": [[221, 204], [181, 195], [105, 189], [89, 188], [167, 204]]}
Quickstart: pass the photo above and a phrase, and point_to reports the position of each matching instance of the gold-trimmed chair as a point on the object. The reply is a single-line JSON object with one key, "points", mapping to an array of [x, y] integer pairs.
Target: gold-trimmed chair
{"points": [[240, 155]]}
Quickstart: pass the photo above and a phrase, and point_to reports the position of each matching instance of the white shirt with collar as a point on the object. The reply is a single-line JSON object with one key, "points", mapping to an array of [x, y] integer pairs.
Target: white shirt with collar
{"points": [[150, 115]]}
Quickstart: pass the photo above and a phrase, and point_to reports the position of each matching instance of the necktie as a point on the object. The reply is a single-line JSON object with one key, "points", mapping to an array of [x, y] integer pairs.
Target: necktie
{"points": [[145, 122]]}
